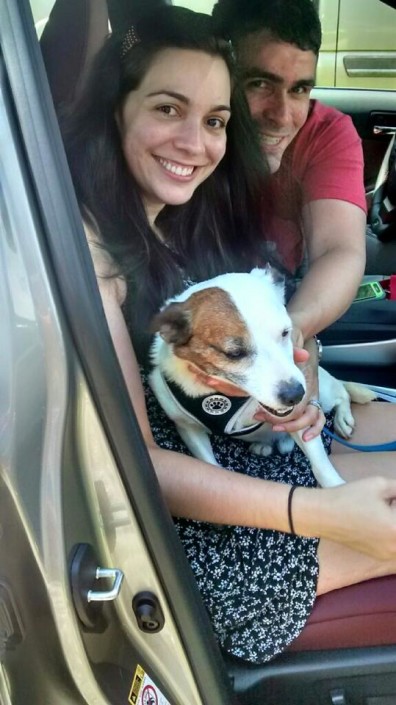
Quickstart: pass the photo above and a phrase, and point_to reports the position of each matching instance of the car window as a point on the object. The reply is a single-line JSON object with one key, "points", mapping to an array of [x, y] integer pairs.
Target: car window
{"points": [[197, 5], [358, 45], [41, 10]]}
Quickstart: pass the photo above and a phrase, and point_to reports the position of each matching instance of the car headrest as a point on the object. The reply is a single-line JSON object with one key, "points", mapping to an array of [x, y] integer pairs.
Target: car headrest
{"points": [[75, 31]]}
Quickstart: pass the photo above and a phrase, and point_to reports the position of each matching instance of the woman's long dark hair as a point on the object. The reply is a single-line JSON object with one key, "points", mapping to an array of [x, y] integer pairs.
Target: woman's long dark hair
{"points": [[219, 229]]}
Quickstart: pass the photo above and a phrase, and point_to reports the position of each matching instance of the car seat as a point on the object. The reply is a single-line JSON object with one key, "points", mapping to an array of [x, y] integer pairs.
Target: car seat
{"points": [[351, 632], [74, 32]]}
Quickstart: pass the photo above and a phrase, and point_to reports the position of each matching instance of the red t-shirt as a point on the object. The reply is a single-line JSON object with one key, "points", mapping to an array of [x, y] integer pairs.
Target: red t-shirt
{"points": [[325, 160]]}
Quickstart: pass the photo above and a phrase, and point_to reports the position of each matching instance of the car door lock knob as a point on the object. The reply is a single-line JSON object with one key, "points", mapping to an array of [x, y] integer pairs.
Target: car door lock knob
{"points": [[148, 612]]}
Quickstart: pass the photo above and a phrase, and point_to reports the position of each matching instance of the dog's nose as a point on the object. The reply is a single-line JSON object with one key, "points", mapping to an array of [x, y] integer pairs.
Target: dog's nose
{"points": [[290, 393]]}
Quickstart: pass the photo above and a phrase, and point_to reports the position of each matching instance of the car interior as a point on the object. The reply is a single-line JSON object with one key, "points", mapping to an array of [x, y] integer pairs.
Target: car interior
{"points": [[346, 654]]}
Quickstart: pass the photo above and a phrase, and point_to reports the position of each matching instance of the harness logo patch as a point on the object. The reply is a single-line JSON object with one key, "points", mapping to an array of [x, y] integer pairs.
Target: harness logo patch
{"points": [[216, 404]]}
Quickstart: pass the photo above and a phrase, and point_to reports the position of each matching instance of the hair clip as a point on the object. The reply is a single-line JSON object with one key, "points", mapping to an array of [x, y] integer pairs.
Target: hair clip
{"points": [[130, 40]]}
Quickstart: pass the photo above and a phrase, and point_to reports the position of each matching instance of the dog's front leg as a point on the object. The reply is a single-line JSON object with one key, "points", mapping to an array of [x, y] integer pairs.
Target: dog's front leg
{"points": [[322, 468], [198, 442]]}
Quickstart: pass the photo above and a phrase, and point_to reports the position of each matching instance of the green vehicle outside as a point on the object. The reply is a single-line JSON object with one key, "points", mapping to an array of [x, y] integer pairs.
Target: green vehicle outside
{"points": [[359, 42]]}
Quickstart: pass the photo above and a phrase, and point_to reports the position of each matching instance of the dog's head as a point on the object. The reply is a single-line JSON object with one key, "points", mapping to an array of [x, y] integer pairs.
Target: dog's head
{"points": [[233, 328]]}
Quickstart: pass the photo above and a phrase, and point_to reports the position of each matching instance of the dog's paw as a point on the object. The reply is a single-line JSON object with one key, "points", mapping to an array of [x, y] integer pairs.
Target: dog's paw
{"points": [[285, 444], [264, 449], [344, 423]]}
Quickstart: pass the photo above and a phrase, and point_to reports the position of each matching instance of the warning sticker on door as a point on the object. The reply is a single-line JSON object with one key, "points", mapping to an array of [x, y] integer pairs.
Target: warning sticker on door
{"points": [[144, 691]]}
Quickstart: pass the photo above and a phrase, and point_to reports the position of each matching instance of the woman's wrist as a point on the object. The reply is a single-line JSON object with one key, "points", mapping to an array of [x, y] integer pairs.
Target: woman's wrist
{"points": [[312, 512]]}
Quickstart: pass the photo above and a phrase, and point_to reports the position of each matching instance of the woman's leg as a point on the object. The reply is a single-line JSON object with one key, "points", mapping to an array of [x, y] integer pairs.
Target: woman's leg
{"points": [[375, 423], [339, 565]]}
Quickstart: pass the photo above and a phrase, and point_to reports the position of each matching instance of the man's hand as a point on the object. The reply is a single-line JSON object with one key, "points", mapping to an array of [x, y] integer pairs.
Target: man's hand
{"points": [[297, 338], [300, 355]]}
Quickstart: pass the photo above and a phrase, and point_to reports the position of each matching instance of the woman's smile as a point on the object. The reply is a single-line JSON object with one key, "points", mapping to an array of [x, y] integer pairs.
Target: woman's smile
{"points": [[175, 168]]}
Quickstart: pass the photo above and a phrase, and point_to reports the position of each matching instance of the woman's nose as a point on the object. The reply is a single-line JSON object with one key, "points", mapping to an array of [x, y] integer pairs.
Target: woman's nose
{"points": [[190, 137]]}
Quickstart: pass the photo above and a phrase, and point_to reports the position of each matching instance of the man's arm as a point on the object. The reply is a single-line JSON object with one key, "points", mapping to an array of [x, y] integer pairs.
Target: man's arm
{"points": [[335, 236]]}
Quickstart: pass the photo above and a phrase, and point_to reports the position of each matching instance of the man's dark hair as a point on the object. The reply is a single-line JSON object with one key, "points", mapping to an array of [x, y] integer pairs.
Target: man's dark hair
{"points": [[291, 21]]}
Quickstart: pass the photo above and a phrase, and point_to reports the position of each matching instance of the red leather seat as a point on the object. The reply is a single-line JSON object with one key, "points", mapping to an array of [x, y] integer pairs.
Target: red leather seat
{"points": [[355, 616]]}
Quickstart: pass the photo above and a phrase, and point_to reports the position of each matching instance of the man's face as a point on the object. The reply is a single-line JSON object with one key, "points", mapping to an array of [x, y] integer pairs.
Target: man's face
{"points": [[278, 79]]}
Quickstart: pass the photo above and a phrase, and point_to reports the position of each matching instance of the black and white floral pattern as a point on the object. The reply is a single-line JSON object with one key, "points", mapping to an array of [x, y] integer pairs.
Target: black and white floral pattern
{"points": [[258, 586]]}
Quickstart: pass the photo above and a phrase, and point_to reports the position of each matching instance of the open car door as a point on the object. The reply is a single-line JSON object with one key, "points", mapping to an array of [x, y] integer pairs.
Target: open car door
{"points": [[97, 600]]}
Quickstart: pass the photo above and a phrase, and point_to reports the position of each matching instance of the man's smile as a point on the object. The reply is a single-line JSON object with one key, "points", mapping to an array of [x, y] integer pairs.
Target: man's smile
{"points": [[271, 140]]}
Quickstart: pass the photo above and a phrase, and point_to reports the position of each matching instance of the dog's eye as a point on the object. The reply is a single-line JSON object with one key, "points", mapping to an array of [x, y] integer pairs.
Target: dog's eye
{"points": [[285, 333], [237, 354], [235, 350]]}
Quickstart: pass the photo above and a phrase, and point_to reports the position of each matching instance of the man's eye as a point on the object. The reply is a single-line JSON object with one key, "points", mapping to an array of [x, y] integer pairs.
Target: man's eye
{"points": [[257, 84], [302, 90]]}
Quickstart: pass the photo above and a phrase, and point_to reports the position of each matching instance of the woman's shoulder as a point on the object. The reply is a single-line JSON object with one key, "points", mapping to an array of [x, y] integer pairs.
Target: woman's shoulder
{"points": [[109, 281]]}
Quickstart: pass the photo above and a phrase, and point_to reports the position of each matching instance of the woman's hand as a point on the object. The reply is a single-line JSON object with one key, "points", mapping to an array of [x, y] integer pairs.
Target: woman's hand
{"points": [[304, 415], [360, 514]]}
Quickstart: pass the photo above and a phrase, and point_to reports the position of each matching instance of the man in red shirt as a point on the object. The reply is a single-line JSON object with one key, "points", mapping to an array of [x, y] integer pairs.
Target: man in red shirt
{"points": [[314, 153]]}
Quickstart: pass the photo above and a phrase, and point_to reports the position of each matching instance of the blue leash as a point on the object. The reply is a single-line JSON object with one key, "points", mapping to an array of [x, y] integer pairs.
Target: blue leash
{"points": [[365, 449]]}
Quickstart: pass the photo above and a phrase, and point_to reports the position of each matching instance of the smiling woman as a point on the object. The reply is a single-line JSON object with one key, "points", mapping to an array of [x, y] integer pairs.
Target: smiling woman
{"points": [[155, 137]]}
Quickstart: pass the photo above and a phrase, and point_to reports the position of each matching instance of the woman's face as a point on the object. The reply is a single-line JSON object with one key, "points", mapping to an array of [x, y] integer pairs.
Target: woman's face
{"points": [[173, 126]]}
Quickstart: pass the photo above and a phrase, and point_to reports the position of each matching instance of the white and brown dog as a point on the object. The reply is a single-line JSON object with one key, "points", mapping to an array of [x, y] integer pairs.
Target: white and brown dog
{"points": [[235, 329]]}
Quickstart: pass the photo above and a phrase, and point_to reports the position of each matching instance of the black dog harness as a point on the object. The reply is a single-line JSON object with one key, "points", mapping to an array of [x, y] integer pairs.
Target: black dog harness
{"points": [[217, 412]]}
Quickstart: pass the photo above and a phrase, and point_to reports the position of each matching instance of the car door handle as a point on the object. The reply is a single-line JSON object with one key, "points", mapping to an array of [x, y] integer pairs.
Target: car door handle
{"points": [[383, 130], [379, 66], [383, 123]]}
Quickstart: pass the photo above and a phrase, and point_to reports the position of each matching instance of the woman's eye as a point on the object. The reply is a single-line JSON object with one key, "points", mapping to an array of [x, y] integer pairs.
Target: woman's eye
{"points": [[216, 123], [167, 110]]}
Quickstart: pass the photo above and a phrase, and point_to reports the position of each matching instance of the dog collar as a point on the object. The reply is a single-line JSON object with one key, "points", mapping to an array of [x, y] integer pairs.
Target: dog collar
{"points": [[219, 413]]}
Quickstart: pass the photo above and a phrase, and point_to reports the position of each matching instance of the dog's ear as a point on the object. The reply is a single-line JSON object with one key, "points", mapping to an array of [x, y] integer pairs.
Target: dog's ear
{"points": [[173, 324], [276, 277]]}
